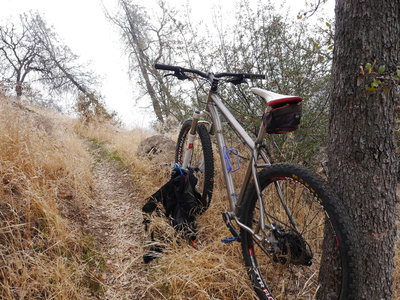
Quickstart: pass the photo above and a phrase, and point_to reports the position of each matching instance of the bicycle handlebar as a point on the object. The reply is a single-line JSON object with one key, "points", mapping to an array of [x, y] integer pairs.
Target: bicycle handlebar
{"points": [[166, 67], [244, 75], [181, 70]]}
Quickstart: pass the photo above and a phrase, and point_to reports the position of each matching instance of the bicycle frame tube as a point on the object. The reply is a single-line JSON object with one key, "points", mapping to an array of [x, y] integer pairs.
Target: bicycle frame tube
{"points": [[213, 103]]}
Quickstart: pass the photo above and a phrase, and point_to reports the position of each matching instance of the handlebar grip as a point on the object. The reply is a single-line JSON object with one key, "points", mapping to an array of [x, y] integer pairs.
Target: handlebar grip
{"points": [[166, 67], [255, 76]]}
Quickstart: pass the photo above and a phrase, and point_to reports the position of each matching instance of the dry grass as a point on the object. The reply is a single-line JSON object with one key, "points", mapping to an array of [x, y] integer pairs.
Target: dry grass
{"points": [[45, 183], [213, 271], [124, 144], [46, 186]]}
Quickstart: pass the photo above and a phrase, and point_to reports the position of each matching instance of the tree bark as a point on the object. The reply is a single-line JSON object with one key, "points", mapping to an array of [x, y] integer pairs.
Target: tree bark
{"points": [[362, 152], [18, 89]]}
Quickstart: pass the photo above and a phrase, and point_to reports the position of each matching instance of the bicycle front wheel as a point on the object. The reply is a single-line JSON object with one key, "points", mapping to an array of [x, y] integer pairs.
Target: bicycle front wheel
{"points": [[305, 250], [201, 162]]}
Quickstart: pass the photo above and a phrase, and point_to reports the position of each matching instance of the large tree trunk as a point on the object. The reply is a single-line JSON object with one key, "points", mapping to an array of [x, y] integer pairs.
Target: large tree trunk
{"points": [[362, 152]]}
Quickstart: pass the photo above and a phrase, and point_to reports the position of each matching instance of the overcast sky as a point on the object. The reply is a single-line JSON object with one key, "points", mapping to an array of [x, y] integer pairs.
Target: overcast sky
{"points": [[82, 25]]}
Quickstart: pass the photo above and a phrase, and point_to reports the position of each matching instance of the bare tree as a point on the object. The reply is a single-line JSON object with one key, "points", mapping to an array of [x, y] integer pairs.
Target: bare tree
{"points": [[134, 25], [18, 54], [149, 41], [59, 67], [32, 50]]}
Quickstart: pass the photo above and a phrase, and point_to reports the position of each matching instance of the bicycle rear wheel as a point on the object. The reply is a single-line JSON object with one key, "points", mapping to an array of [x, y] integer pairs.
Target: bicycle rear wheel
{"points": [[305, 251], [201, 162]]}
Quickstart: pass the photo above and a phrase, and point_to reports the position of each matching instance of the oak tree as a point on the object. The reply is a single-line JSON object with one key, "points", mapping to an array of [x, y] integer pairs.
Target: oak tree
{"points": [[362, 152], [18, 54]]}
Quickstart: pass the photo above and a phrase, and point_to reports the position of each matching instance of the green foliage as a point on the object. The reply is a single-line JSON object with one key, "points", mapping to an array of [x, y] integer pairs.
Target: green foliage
{"points": [[112, 155], [397, 76], [295, 57], [381, 69], [378, 78]]}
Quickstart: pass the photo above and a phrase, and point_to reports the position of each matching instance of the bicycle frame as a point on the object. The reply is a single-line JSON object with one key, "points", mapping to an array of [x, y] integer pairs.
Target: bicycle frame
{"points": [[214, 104], [213, 107], [278, 238]]}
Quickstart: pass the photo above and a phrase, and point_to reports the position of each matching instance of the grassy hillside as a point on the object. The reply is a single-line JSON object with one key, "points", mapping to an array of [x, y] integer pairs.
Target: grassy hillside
{"points": [[45, 188], [46, 192]]}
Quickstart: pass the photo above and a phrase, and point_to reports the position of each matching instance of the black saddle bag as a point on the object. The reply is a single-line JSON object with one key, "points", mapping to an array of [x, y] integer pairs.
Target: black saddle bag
{"points": [[282, 118]]}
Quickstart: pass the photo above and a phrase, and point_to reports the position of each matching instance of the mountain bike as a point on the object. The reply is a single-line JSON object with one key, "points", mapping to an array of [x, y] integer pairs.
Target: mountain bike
{"points": [[297, 240]]}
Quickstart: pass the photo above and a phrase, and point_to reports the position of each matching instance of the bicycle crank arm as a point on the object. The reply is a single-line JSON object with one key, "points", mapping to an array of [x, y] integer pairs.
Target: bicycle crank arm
{"points": [[232, 229]]}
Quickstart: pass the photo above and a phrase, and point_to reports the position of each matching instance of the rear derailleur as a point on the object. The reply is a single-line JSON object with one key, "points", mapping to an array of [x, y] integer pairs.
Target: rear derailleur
{"points": [[289, 247]]}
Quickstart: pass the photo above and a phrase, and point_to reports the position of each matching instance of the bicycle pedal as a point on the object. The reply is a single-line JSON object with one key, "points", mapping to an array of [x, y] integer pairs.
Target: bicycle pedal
{"points": [[229, 240], [228, 223]]}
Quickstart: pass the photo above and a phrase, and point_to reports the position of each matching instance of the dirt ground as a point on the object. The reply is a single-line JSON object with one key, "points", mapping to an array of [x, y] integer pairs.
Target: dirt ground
{"points": [[115, 222]]}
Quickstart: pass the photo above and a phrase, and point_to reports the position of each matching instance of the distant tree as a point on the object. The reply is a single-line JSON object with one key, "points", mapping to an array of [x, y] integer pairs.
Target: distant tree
{"points": [[90, 107], [58, 68], [134, 27], [18, 54], [362, 152], [160, 38], [32, 51]]}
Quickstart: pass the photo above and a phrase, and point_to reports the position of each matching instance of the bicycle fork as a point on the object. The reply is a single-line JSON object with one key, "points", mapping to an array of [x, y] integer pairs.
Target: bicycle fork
{"points": [[191, 138]]}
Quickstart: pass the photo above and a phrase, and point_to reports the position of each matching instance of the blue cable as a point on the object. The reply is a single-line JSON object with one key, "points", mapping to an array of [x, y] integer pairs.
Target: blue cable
{"points": [[177, 166]]}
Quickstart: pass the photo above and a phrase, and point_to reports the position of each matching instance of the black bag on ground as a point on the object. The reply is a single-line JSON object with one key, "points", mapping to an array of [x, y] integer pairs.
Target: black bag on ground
{"points": [[181, 201]]}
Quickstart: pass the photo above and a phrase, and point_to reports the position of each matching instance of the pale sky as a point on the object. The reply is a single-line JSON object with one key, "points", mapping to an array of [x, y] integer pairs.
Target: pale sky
{"points": [[82, 25]]}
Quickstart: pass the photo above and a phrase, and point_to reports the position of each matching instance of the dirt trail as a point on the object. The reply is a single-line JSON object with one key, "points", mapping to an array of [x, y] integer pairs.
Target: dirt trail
{"points": [[115, 222]]}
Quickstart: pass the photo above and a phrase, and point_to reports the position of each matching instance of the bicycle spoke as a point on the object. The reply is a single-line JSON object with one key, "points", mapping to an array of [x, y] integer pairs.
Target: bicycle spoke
{"points": [[282, 255]]}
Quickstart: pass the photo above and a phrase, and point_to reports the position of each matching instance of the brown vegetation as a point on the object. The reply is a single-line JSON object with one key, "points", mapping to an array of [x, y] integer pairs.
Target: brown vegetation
{"points": [[45, 187], [49, 244]]}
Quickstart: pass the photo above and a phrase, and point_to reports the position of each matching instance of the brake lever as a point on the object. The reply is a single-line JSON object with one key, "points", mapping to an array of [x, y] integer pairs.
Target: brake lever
{"points": [[179, 75]]}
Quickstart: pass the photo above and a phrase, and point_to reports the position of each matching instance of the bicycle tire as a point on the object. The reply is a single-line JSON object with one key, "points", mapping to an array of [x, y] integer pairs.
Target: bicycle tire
{"points": [[287, 277], [206, 175]]}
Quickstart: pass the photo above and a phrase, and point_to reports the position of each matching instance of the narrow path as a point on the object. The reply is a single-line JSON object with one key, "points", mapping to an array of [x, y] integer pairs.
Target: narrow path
{"points": [[115, 222]]}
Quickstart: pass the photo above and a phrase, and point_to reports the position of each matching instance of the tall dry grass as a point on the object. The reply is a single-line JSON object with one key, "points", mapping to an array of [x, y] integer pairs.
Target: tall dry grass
{"points": [[214, 270], [45, 188], [45, 184]]}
